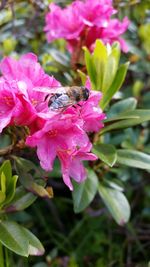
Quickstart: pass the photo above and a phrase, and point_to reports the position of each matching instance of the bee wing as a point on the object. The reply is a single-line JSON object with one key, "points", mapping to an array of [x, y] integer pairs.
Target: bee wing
{"points": [[50, 90]]}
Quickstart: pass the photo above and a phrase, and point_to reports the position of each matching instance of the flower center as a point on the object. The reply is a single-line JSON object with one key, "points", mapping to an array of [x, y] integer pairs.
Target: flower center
{"points": [[8, 100], [67, 151], [34, 102], [53, 133]]}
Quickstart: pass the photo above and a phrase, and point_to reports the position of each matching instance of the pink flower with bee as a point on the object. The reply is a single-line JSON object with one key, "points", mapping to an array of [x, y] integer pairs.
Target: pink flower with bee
{"points": [[72, 113], [59, 118]]}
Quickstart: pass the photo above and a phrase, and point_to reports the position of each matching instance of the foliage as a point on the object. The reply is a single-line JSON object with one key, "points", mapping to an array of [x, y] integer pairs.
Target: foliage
{"points": [[117, 185]]}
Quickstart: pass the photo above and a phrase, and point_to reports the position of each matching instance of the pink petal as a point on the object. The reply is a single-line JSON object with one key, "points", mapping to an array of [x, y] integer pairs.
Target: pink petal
{"points": [[46, 152]]}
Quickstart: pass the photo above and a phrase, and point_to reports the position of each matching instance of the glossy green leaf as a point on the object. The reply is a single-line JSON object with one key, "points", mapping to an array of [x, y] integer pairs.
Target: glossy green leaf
{"points": [[82, 76], [114, 184], [90, 67], [2, 197], [106, 153], [23, 165], [19, 239], [133, 158], [116, 203], [36, 186], [121, 125], [6, 169], [111, 67], [21, 200], [3, 182], [11, 189], [117, 83], [59, 57], [139, 114], [12, 236], [35, 247], [38, 189], [8, 183], [3, 189], [125, 105], [84, 192], [100, 59], [127, 119]]}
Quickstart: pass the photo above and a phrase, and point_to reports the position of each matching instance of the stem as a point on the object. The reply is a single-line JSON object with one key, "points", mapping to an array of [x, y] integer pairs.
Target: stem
{"points": [[1, 256], [6, 257]]}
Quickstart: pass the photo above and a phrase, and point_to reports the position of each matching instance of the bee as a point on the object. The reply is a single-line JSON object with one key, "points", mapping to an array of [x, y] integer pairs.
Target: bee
{"points": [[62, 97]]}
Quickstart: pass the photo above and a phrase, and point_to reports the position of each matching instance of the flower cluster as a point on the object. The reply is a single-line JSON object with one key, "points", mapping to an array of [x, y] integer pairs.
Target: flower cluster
{"points": [[61, 134], [82, 22]]}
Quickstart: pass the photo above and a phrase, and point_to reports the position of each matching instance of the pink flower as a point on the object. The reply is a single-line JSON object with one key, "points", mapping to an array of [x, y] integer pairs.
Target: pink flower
{"points": [[14, 109], [71, 163], [96, 13], [113, 32], [57, 133], [82, 22], [28, 74], [91, 113], [61, 22], [26, 70], [8, 103], [62, 134]]}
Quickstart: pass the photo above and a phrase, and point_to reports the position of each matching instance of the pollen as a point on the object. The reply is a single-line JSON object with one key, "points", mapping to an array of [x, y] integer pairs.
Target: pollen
{"points": [[8, 100], [52, 133], [66, 151], [34, 102]]}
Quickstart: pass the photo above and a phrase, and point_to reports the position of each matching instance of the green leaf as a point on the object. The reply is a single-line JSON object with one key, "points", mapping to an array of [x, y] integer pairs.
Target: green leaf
{"points": [[84, 192], [6, 169], [139, 114], [12, 236], [111, 67], [116, 203], [11, 190], [24, 167], [38, 189], [35, 247], [90, 67], [100, 59], [21, 200], [8, 183], [19, 239], [133, 158], [125, 105], [3, 182], [114, 184], [117, 83], [82, 76], [121, 125], [106, 153], [127, 119], [2, 197], [59, 57], [5, 141]]}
